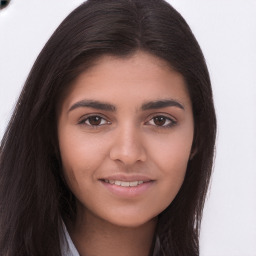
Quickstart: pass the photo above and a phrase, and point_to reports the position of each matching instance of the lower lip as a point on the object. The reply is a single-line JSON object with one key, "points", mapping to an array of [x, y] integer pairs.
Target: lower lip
{"points": [[128, 191]]}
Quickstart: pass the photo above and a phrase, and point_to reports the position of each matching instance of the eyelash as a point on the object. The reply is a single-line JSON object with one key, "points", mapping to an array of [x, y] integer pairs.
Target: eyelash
{"points": [[171, 121], [84, 120]]}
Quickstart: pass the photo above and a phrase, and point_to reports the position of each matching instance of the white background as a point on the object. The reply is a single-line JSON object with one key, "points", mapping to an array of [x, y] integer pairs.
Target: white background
{"points": [[226, 31]]}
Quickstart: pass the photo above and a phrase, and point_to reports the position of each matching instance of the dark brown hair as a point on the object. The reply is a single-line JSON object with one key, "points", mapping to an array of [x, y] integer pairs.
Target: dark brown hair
{"points": [[33, 195]]}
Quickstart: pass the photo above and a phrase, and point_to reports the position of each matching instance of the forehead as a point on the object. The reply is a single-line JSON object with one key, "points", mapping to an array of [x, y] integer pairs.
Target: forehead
{"points": [[141, 76]]}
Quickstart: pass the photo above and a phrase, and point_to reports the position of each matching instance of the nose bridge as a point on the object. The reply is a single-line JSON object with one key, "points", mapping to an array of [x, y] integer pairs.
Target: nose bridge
{"points": [[128, 145]]}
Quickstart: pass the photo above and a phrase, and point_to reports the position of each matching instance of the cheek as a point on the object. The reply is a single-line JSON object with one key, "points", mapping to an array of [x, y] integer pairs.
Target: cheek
{"points": [[81, 155], [171, 156]]}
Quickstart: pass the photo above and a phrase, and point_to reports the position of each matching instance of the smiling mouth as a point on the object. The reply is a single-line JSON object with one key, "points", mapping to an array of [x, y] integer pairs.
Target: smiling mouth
{"points": [[127, 187], [125, 183]]}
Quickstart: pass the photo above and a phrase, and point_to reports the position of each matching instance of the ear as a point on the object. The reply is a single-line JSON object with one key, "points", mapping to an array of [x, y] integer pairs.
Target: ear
{"points": [[193, 153]]}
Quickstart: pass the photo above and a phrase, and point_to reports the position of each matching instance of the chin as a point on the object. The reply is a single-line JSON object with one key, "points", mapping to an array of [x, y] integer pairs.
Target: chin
{"points": [[132, 222]]}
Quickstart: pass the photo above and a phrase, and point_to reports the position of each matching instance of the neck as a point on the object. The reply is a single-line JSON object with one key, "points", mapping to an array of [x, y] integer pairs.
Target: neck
{"points": [[94, 236]]}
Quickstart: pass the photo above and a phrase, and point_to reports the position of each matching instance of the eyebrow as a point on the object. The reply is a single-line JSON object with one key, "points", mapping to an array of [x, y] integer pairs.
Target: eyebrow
{"points": [[93, 104], [161, 104], [109, 107]]}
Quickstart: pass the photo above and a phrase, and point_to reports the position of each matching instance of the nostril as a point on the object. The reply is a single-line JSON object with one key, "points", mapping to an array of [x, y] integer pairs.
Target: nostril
{"points": [[4, 3]]}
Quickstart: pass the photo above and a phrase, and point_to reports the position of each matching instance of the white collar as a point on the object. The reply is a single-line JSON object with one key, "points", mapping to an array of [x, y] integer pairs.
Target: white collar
{"points": [[67, 246]]}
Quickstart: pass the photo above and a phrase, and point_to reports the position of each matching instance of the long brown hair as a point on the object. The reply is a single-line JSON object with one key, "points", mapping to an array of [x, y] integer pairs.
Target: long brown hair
{"points": [[33, 195]]}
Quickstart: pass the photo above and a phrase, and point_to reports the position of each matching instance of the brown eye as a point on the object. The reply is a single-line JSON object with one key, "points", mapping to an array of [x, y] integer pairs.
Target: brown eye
{"points": [[162, 121], [95, 120], [159, 120]]}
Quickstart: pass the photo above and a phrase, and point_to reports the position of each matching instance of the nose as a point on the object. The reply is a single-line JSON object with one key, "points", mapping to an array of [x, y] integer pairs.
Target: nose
{"points": [[127, 146]]}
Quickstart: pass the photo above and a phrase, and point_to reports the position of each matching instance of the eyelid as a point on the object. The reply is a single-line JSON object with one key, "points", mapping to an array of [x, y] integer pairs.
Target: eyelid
{"points": [[167, 116], [82, 120], [173, 120]]}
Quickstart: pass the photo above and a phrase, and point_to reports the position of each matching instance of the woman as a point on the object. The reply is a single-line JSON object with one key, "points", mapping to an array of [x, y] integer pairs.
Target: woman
{"points": [[110, 147]]}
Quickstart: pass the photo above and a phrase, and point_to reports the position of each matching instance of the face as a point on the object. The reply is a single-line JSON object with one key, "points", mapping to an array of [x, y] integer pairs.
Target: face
{"points": [[125, 130]]}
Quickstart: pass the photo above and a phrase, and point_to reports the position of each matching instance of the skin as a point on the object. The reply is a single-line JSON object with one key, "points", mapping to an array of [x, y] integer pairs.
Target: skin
{"points": [[127, 141]]}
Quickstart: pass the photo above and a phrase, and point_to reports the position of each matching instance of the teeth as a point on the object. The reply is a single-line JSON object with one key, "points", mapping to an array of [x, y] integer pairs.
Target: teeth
{"points": [[134, 183], [124, 183]]}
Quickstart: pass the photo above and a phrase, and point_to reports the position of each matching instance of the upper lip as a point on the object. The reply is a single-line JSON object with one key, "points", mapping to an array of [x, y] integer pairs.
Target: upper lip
{"points": [[130, 178]]}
